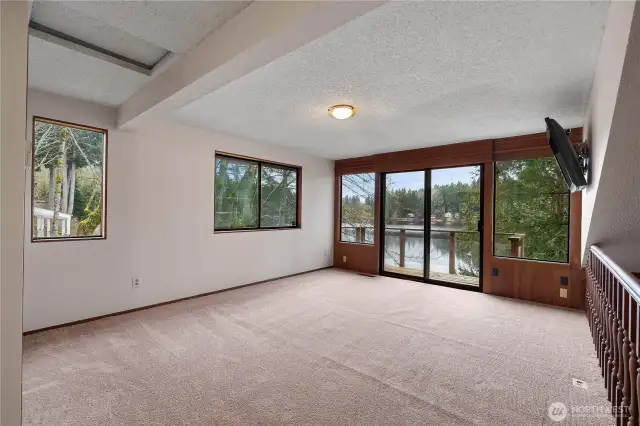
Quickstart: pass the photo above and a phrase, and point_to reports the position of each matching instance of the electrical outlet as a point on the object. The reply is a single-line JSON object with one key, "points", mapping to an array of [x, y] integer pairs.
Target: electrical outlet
{"points": [[563, 293], [344, 259], [579, 383], [135, 282]]}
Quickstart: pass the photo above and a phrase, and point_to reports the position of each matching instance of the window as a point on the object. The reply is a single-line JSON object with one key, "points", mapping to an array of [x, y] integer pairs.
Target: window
{"points": [[531, 210], [68, 181], [253, 194], [357, 208]]}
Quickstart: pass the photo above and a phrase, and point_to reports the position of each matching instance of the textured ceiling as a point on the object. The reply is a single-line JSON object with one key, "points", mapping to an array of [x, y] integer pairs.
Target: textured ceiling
{"points": [[140, 30], [67, 72], [420, 74], [93, 30], [174, 25]]}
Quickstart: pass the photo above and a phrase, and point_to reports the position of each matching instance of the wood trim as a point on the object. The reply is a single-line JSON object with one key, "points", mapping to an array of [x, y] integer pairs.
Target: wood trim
{"points": [[487, 246], [255, 159], [105, 179], [519, 278], [261, 163], [155, 305], [459, 154], [528, 146], [377, 217], [68, 124], [575, 230]]}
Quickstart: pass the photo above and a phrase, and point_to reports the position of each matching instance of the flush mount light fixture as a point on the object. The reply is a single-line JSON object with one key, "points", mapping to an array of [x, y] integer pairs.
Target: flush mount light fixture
{"points": [[342, 112]]}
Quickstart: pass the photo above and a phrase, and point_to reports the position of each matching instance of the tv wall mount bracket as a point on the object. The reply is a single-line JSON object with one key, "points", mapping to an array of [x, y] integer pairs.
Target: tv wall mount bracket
{"points": [[582, 151]]}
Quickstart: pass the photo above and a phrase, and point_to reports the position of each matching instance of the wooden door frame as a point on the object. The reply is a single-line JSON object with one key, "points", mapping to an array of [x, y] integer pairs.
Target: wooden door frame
{"points": [[427, 228]]}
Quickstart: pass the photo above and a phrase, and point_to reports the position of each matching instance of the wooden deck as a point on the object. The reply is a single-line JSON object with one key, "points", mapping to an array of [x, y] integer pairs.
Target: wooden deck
{"points": [[438, 276]]}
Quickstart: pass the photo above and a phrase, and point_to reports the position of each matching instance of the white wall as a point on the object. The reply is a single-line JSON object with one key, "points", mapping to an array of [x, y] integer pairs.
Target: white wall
{"points": [[603, 101], [13, 86], [160, 223], [612, 202]]}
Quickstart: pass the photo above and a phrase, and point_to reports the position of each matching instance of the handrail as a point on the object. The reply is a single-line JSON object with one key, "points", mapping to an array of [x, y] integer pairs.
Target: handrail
{"points": [[613, 311], [630, 282], [457, 231]]}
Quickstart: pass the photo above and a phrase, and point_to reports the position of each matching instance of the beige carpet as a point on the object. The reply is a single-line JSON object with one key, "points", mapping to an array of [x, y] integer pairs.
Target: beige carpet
{"points": [[326, 348]]}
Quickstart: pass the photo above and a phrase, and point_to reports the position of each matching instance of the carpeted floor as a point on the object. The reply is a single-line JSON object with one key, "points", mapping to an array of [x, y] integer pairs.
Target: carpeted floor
{"points": [[326, 348]]}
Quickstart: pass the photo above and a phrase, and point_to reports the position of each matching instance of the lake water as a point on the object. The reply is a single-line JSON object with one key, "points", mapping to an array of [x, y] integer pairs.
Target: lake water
{"points": [[467, 248]]}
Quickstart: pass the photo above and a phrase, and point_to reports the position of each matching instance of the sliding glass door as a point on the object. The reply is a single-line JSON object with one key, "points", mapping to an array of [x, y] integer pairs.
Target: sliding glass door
{"points": [[454, 225], [431, 225], [403, 223]]}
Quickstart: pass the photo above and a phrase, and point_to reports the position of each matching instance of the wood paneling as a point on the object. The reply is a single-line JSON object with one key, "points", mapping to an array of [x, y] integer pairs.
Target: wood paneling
{"points": [[529, 280], [528, 146], [487, 228], [460, 154], [522, 279], [359, 257]]}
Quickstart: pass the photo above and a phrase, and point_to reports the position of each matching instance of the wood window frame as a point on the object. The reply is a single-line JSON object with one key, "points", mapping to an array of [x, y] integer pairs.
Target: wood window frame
{"points": [[103, 220], [260, 162], [495, 195]]}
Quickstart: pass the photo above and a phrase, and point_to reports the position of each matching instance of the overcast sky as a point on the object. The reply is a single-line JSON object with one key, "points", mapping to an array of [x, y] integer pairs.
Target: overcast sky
{"points": [[415, 180]]}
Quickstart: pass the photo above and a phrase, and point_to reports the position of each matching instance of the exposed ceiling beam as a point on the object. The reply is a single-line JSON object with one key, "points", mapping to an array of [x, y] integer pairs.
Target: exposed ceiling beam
{"points": [[49, 34], [260, 34]]}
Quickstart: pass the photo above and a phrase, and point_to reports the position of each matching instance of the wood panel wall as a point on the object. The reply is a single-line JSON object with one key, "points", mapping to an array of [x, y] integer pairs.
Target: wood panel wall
{"points": [[517, 278]]}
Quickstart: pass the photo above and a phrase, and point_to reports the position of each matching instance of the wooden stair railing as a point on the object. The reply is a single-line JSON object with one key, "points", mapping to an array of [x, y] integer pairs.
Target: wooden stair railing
{"points": [[612, 300]]}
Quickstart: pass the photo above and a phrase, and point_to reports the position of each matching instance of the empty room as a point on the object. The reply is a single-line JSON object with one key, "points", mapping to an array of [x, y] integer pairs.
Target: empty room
{"points": [[319, 213]]}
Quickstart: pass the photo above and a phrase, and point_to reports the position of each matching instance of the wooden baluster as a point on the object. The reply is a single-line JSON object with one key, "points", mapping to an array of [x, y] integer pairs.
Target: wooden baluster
{"points": [[588, 304], [635, 333], [594, 305], [633, 361], [613, 338], [452, 252], [615, 343], [597, 303], [402, 244], [603, 326], [626, 386], [619, 361], [603, 321], [514, 240], [607, 319]]}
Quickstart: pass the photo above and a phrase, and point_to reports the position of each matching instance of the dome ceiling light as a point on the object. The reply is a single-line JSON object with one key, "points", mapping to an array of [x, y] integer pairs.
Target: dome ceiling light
{"points": [[342, 112]]}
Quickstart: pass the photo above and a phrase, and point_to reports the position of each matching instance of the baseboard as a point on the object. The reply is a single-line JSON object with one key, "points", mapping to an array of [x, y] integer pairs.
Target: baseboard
{"points": [[155, 305]]}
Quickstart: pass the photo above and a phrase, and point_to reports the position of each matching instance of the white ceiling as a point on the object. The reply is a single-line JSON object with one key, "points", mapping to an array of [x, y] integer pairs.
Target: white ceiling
{"points": [[141, 30], [96, 31], [174, 25], [420, 74], [67, 72]]}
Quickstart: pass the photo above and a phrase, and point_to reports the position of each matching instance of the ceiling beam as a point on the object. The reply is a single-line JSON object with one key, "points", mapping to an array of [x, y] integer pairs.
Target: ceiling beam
{"points": [[53, 36], [258, 35]]}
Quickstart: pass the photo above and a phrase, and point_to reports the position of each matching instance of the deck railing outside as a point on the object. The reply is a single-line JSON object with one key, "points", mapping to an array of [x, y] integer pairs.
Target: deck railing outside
{"points": [[612, 300], [43, 219], [516, 241]]}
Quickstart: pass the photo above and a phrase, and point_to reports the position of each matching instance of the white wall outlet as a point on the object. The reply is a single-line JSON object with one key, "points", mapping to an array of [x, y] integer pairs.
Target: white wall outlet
{"points": [[344, 259], [563, 293], [579, 383], [135, 282]]}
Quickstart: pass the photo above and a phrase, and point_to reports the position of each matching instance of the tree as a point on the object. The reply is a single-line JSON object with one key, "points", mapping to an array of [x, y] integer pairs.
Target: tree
{"points": [[358, 192], [62, 153], [532, 199]]}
